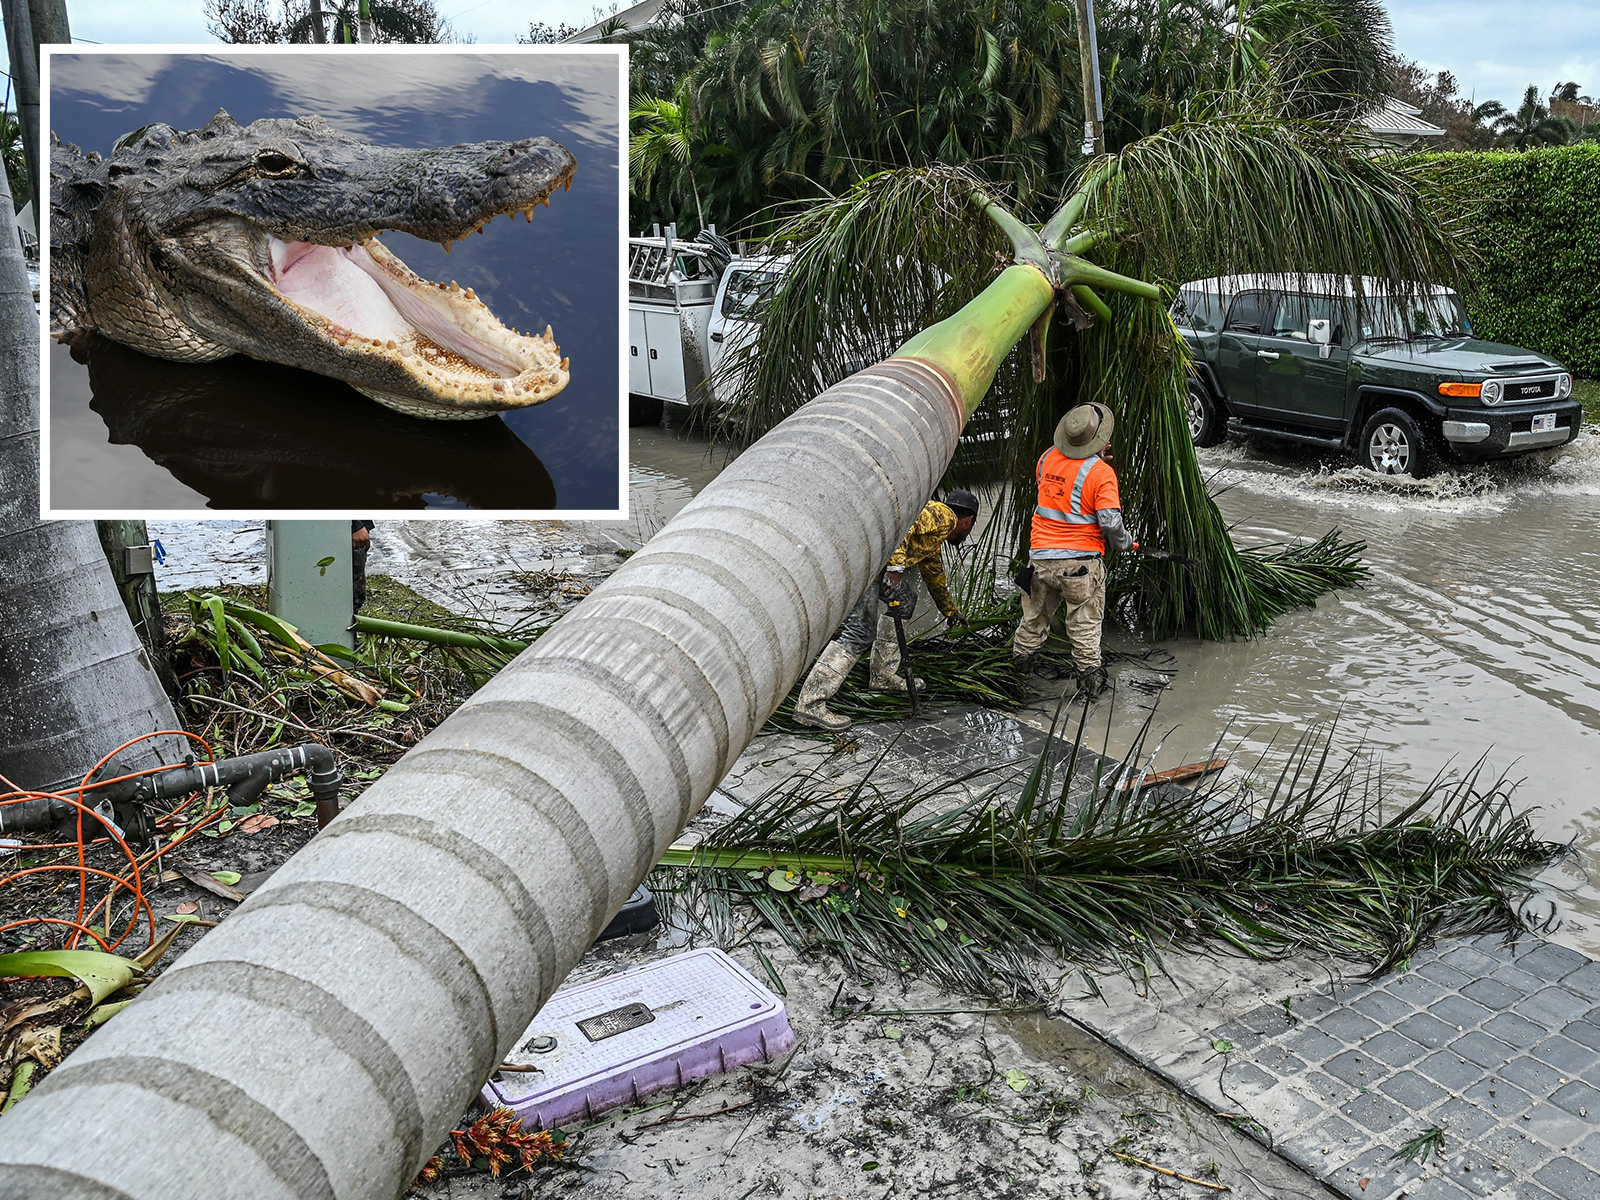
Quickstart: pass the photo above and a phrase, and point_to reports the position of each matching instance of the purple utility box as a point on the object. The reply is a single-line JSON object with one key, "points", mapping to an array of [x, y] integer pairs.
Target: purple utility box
{"points": [[617, 1040]]}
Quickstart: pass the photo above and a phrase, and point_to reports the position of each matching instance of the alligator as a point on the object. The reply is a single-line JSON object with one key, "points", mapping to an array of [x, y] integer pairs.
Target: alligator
{"points": [[262, 239]]}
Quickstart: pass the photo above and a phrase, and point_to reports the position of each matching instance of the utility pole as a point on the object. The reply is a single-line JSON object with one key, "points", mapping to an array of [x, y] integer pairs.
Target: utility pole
{"points": [[24, 51], [1094, 135], [49, 19]]}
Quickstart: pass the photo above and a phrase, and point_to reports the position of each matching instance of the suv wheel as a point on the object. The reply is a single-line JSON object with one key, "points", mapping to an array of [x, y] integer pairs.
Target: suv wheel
{"points": [[1207, 425], [1392, 443]]}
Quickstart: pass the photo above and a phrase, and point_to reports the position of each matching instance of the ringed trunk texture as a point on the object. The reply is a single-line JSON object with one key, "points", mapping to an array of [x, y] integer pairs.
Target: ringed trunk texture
{"points": [[321, 1041], [75, 683]]}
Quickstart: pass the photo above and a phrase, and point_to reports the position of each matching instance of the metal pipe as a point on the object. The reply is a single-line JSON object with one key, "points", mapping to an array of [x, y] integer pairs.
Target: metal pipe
{"points": [[245, 777], [1094, 139], [406, 948]]}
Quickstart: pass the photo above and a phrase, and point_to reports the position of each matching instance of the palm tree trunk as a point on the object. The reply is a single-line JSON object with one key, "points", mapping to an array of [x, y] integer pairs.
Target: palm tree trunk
{"points": [[74, 681], [318, 34], [406, 948]]}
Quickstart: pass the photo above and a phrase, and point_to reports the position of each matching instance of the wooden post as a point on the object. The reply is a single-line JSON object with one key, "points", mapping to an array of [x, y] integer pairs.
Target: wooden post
{"points": [[128, 554]]}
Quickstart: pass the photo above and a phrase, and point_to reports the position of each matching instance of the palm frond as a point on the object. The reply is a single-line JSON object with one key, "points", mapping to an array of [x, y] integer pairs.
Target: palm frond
{"points": [[1247, 192], [979, 881]]}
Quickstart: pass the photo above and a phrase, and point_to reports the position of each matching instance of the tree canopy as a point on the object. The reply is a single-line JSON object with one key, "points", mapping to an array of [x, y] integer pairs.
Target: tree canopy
{"points": [[273, 21], [798, 99]]}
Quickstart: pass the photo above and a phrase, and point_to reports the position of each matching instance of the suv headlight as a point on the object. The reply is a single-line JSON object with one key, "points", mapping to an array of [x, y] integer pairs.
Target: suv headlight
{"points": [[1563, 386], [1493, 390]]}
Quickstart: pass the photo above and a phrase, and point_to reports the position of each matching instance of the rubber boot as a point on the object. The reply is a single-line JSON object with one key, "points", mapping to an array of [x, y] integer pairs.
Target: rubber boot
{"points": [[885, 675], [822, 684], [1092, 683]]}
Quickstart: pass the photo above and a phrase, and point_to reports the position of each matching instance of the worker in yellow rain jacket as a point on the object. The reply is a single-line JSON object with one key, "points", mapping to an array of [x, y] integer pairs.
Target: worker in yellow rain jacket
{"points": [[865, 628], [1079, 511]]}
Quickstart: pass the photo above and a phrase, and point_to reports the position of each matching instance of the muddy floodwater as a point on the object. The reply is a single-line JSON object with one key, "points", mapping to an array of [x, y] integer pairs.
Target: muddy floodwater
{"points": [[1478, 635]]}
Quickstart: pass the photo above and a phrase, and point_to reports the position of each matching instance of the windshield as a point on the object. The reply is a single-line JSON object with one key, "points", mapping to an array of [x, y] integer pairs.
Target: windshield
{"points": [[747, 290], [1407, 318]]}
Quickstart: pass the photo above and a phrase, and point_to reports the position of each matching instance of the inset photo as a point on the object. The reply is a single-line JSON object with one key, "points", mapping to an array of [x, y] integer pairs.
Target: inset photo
{"points": [[335, 280]]}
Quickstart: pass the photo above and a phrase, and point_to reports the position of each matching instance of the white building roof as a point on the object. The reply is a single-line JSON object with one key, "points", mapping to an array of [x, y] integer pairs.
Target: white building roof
{"points": [[1397, 119], [628, 20]]}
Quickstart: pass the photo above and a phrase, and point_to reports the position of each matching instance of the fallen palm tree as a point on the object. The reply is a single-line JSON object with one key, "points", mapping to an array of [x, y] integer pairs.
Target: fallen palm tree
{"points": [[983, 881], [405, 949]]}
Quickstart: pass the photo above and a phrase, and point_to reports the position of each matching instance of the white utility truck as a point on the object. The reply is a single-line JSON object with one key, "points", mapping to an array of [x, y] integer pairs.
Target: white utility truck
{"points": [[689, 306]]}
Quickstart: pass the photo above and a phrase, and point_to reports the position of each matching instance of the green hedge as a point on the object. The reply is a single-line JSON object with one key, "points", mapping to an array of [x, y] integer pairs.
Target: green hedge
{"points": [[1536, 232]]}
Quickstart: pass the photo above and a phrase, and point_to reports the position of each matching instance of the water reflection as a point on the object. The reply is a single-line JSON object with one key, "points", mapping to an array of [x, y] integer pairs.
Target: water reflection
{"points": [[251, 434]]}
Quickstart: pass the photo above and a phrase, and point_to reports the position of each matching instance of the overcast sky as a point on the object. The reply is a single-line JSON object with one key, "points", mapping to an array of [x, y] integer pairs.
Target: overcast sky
{"points": [[1494, 47]]}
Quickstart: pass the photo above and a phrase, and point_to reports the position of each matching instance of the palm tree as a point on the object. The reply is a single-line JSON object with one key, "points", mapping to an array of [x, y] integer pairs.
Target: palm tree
{"points": [[351, 21], [425, 928], [664, 142], [1532, 124], [342, 21], [16, 161]]}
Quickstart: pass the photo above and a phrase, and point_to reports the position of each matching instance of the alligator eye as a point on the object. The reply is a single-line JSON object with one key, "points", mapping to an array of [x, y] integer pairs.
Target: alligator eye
{"points": [[270, 162]]}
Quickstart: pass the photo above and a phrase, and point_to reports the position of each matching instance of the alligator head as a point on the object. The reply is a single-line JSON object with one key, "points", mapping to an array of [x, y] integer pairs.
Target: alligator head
{"points": [[263, 240]]}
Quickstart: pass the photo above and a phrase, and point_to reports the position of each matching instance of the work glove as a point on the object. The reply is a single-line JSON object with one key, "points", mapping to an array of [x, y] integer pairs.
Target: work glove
{"points": [[953, 620], [889, 585]]}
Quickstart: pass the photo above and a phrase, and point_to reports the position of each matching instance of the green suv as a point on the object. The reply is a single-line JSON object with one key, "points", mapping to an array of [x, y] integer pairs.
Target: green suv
{"points": [[1404, 385]]}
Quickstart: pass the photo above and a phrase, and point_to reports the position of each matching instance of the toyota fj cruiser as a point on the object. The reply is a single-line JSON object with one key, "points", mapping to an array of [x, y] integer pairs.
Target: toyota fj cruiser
{"points": [[1404, 384]]}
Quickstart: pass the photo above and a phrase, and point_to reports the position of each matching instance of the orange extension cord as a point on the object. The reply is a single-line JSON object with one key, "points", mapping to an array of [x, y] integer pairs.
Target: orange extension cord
{"points": [[133, 880]]}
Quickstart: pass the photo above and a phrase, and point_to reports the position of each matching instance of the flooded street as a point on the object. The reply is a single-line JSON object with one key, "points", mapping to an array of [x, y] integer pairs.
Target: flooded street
{"points": [[1478, 634]]}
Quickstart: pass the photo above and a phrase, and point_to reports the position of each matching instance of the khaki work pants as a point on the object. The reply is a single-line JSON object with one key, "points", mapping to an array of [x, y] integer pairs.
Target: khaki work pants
{"points": [[1080, 585]]}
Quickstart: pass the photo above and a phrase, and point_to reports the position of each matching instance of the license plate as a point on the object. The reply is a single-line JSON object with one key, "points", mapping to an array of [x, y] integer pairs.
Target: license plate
{"points": [[1544, 423]]}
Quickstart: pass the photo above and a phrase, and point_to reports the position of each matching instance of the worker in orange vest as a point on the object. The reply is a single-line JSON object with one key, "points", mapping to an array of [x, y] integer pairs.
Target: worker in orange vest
{"points": [[1079, 511]]}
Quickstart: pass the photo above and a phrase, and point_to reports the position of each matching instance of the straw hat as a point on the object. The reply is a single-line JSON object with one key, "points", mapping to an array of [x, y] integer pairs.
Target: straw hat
{"points": [[1084, 430]]}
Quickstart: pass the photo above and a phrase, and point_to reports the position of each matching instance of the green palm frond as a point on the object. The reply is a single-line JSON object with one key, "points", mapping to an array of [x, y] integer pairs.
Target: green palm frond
{"points": [[980, 881]]}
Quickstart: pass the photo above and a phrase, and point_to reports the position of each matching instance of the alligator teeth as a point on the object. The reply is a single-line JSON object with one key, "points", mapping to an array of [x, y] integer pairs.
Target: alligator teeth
{"points": [[470, 294], [549, 336]]}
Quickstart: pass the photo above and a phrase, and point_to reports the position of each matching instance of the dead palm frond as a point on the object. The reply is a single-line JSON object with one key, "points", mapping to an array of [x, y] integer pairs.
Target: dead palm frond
{"points": [[972, 880]]}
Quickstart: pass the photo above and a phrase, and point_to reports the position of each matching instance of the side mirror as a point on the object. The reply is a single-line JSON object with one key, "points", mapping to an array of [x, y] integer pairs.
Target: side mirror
{"points": [[1319, 332]]}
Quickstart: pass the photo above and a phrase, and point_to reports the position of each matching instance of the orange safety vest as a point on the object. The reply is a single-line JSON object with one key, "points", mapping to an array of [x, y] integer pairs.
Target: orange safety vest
{"points": [[1071, 491]]}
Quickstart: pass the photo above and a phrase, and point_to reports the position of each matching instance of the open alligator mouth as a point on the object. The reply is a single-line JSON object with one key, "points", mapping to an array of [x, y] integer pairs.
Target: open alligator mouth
{"points": [[370, 304], [263, 240]]}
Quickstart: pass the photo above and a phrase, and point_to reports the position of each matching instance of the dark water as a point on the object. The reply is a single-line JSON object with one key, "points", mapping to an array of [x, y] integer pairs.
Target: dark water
{"points": [[129, 432]]}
